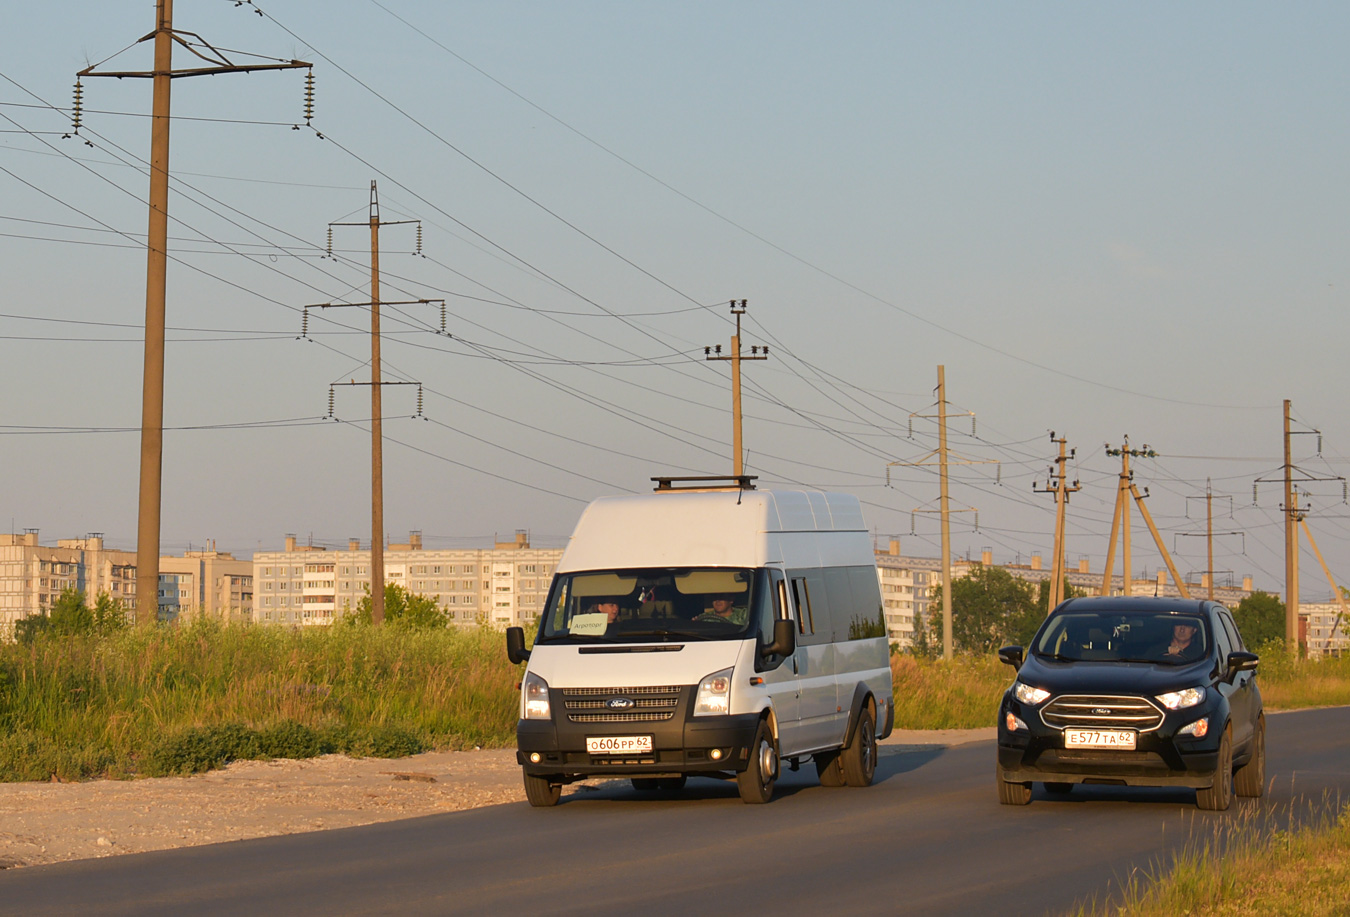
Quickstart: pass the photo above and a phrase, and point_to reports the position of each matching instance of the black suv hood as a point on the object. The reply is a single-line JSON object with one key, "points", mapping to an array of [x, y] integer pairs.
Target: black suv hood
{"points": [[1091, 677]]}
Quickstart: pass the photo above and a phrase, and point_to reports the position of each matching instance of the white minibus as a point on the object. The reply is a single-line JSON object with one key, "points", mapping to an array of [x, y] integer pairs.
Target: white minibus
{"points": [[707, 629]]}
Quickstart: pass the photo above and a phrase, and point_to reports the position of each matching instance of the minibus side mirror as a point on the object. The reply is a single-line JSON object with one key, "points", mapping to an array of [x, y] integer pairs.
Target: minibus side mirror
{"points": [[515, 645], [784, 639]]}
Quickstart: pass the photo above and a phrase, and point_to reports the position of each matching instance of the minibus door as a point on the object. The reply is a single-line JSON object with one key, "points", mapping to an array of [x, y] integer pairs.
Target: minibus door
{"points": [[782, 682]]}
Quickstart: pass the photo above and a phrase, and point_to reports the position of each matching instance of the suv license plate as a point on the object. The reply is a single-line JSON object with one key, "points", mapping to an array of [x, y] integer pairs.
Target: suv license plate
{"points": [[608, 745], [1100, 738]]}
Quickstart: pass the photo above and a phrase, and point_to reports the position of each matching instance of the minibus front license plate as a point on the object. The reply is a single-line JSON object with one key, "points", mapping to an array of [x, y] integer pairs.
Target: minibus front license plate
{"points": [[609, 745]]}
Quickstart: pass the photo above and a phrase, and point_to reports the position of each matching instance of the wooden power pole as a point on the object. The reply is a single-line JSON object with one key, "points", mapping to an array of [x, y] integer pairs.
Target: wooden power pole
{"points": [[156, 283]]}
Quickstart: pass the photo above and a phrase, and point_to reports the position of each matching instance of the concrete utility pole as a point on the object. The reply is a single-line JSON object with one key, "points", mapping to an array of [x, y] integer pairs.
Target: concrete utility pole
{"points": [[1061, 491], [376, 400], [1209, 572], [1290, 541], [737, 462], [944, 508], [1293, 514], [152, 383]]}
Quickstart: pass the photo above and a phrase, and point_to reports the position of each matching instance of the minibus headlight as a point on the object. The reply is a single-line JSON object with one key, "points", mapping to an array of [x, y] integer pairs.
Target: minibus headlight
{"points": [[535, 692], [714, 695]]}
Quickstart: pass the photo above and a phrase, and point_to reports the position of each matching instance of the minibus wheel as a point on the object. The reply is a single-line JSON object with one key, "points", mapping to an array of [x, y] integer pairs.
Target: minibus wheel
{"points": [[540, 792], [860, 757], [755, 783]]}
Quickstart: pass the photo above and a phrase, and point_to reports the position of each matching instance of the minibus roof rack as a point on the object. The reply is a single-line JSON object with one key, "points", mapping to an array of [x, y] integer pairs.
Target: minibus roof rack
{"points": [[708, 482]]}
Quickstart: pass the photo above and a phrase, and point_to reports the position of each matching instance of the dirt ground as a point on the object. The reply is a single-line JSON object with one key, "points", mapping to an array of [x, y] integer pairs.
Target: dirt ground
{"points": [[51, 822]]}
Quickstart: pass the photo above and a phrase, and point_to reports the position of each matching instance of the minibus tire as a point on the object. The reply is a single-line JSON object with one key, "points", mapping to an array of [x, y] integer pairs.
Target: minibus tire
{"points": [[859, 759], [540, 792], [646, 784], [755, 783]]}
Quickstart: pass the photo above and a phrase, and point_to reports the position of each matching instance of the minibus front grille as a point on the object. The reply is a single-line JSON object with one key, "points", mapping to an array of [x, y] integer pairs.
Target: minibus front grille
{"points": [[620, 717], [654, 704], [658, 703]]}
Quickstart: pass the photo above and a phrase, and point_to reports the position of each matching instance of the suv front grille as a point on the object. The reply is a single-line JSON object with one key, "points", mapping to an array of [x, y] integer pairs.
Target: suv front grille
{"points": [[649, 704], [1101, 711]]}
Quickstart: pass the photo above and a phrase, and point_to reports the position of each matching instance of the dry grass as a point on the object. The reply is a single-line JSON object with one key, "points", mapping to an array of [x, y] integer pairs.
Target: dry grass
{"points": [[1249, 868]]}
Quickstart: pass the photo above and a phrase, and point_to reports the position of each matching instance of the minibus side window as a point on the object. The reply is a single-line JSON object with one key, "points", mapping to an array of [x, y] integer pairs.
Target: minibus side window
{"points": [[801, 596]]}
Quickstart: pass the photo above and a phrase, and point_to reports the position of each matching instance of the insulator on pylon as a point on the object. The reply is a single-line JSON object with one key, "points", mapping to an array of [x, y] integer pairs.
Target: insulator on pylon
{"points": [[977, 520], [78, 108], [330, 401], [330, 242], [309, 96], [419, 399], [911, 524], [972, 425], [1253, 495], [911, 428], [998, 474], [419, 239], [304, 323], [442, 316]]}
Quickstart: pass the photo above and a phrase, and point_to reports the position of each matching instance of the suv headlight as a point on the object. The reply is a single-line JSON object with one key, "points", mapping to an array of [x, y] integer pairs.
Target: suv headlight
{"points": [[714, 695], [1180, 700], [1029, 695], [535, 691]]}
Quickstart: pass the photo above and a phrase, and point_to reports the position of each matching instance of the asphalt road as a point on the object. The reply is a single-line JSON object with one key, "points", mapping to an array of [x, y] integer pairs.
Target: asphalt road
{"points": [[928, 838]]}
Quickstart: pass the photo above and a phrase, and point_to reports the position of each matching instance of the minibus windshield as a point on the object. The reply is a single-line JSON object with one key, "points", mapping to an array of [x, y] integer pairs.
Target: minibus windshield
{"points": [[651, 606]]}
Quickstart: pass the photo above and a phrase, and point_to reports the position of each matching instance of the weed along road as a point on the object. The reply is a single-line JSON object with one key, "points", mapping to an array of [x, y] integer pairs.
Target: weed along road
{"points": [[928, 838]]}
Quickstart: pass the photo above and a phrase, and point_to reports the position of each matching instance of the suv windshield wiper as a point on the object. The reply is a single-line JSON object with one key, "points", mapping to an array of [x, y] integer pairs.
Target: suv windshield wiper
{"points": [[1059, 657]]}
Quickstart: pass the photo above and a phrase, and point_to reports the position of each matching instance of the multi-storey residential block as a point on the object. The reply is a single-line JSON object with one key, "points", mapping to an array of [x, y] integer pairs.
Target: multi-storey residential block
{"points": [[207, 583], [33, 576], [305, 585], [1322, 627]]}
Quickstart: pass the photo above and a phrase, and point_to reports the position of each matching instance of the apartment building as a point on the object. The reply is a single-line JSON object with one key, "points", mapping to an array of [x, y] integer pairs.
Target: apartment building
{"points": [[304, 585], [1322, 627], [33, 576], [206, 583]]}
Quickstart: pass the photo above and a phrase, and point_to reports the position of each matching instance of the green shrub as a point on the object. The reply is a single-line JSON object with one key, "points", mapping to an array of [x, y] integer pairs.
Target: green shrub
{"points": [[201, 748]]}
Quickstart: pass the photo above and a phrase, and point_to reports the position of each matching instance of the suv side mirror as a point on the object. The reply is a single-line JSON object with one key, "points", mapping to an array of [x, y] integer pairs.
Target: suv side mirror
{"points": [[784, 639], [1012, 655], [1239, 661], [515, 645]]}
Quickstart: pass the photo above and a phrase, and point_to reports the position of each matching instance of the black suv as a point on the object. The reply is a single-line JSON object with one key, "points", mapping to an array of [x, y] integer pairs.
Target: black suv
{"points": [[1137, 692]]}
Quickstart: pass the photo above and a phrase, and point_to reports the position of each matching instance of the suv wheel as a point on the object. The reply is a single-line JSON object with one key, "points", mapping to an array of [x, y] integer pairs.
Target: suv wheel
{"points": [[1250, 778], [1218, 796], [1012, 794]]}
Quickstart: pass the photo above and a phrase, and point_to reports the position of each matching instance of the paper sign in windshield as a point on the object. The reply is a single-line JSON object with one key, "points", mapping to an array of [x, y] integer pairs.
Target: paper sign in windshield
{"points": [[589, 625]]}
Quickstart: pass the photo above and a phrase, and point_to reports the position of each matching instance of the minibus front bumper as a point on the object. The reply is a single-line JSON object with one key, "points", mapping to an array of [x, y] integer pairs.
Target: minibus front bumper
{"points": [[683, 744]]}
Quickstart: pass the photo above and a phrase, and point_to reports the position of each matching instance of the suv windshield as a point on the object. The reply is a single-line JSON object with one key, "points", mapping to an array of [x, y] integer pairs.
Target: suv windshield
{"points": [[1169, 639], [657, 605]]}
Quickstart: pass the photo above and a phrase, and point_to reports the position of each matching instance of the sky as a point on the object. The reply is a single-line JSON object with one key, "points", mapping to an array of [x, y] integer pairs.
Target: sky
{"points": [[1103, 220]]}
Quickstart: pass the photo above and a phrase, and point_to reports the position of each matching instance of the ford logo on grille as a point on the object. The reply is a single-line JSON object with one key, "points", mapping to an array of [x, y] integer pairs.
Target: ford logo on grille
{"points": [[619, 703], [1102, 711]]}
